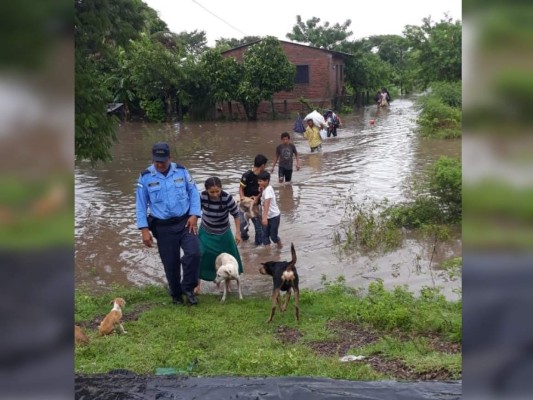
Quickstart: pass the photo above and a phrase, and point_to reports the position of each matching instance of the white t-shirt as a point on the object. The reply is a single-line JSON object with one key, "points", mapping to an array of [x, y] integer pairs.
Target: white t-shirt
{"points": [[268, 193]]}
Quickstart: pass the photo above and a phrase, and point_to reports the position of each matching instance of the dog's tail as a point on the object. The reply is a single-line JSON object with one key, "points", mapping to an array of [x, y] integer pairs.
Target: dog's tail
{"points": [[292, 263]]}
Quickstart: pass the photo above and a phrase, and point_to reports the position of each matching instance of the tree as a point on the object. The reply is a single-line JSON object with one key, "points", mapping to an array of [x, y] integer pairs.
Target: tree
{"points": [[324, 36], [224, 44], [100, 26], [156, 73], [266, 70], [195, 43], [393, 50], [366, 71], [436, 49], [223, 74]]}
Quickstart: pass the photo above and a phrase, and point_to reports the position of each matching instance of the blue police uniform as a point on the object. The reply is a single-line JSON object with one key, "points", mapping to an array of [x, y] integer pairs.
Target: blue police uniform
{"points": [[171, 200]]}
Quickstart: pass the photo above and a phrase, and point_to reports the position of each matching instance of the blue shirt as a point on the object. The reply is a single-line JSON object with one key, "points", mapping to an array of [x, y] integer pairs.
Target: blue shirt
{"points": [[167, 196]]}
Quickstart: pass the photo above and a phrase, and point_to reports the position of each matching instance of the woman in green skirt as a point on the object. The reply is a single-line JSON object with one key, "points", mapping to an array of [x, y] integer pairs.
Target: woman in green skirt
{"points": [[215, 231]]}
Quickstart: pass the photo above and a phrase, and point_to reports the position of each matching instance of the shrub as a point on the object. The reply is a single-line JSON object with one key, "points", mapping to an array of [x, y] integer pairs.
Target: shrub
{"points": [[450, 93], [362, 227], [154, 110], [438, 119], [445, 183], [438, 201], [415, 214]]}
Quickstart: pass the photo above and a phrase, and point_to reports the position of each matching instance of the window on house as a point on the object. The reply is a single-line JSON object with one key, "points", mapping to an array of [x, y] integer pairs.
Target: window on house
{"points": [[302, 74]]}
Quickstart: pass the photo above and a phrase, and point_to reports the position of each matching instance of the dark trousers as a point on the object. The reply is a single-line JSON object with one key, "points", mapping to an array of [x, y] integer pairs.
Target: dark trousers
{"points": [[257, 227], [332, 130], [270, 231], [284, 173], [170, 238]]}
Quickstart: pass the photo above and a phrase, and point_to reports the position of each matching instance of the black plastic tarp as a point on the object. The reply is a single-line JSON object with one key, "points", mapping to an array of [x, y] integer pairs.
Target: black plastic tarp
{"points": [[130, 386]]}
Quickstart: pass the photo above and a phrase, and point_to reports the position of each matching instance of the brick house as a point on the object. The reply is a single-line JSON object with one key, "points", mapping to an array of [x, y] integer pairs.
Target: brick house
{"points": [[319, 80]]}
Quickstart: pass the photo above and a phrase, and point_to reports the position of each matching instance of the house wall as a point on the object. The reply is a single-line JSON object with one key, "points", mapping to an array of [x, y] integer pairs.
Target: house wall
{"points": [[326, 80]]}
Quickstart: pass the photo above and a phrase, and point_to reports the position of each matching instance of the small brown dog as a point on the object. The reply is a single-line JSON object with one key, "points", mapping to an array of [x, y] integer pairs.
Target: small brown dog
{"points": [[79, 336], [250, 209], [112, 319], [284, 278]]}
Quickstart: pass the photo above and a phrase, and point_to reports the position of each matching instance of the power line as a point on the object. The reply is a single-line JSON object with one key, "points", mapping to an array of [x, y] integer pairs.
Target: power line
{"points": [[216, 16]]}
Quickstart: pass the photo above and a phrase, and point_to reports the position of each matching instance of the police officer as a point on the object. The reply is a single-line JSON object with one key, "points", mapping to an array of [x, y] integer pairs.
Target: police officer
{"points": [[169, 191]]}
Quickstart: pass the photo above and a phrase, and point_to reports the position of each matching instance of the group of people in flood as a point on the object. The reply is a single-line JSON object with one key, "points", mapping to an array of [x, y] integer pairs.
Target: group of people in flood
{"points": [[317, 123], [382, 98], [169, 205]]}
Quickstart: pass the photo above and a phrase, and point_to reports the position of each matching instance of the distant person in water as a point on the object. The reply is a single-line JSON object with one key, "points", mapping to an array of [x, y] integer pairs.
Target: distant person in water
{"points": [[377, 98], [332, 121], [385, 97]]}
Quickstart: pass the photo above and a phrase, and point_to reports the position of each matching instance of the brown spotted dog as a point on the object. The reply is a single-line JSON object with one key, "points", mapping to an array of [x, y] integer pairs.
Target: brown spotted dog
{"points": [[112, 319], [79, 336], [249, 208], [284, 278]]}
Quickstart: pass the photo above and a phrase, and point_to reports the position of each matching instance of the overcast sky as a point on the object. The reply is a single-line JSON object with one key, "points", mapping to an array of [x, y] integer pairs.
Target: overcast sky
{"points": [[239, 18]]}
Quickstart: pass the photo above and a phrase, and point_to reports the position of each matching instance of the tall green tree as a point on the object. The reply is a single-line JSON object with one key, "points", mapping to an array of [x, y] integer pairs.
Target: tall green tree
{"points": [[157, 73], [365, 70], [266, 71], [195, 43], [393, 50], [100, 27], [323, 36], [436, 50], [223, 74]]}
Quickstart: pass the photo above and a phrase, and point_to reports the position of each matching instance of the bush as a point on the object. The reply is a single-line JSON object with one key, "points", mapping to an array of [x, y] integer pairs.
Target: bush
{"points": [[450, 93], [154, 110], [445, 183], [438, 119], [438, 201], [362, 227], [400, 309], [412, 215], [441, 110]]}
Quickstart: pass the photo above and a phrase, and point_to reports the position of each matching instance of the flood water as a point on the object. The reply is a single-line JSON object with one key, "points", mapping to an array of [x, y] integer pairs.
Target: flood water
{"points": [[363, 163]]}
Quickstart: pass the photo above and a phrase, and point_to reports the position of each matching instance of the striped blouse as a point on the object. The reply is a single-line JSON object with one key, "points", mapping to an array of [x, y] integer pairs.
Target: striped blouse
{"points": [[215, 214]]}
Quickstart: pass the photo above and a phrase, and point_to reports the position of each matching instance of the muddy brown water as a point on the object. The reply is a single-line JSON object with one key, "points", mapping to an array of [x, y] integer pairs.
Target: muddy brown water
{"points": [[365, 162]]}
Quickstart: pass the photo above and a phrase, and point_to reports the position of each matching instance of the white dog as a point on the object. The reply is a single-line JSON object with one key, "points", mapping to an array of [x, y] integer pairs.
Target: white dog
{"points": [[227, 269]]}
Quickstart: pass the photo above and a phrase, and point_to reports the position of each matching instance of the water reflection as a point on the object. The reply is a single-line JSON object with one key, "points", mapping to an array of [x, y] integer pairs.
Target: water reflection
{"points": [[365, 161]]}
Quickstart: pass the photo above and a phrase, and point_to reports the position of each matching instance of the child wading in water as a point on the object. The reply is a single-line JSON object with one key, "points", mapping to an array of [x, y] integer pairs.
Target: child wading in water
{"points": [[284, 154], [271, 215], [215, 232]]}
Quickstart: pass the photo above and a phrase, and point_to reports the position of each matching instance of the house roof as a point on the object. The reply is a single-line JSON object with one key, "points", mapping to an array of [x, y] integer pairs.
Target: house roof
{"points": [[339, 53]]}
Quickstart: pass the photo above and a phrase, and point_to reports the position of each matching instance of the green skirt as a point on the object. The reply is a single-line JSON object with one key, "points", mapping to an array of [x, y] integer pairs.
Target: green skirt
{"points": [[213, 245]]}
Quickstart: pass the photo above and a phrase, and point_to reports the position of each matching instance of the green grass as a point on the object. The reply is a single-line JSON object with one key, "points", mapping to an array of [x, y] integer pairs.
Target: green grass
{"points": [[232, 339], [21, 227]]}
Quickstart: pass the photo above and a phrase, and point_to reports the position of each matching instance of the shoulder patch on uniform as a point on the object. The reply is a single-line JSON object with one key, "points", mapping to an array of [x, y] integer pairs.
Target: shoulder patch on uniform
{"points": [[144, 172]]}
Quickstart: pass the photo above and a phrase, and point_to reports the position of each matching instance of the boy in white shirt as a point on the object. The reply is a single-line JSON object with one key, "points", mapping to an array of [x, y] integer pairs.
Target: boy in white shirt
{"points": [[271, 215]]}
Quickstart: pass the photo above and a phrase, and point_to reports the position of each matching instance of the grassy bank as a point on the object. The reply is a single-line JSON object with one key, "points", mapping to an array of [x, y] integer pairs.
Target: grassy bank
{"points": [[402, 336]]}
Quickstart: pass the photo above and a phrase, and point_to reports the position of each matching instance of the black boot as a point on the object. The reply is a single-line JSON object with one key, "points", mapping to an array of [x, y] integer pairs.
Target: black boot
{"points": [[191, 298]]}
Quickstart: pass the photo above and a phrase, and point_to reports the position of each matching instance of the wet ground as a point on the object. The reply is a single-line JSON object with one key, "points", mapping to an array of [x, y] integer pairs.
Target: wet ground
{"points": [[366, 162]]}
